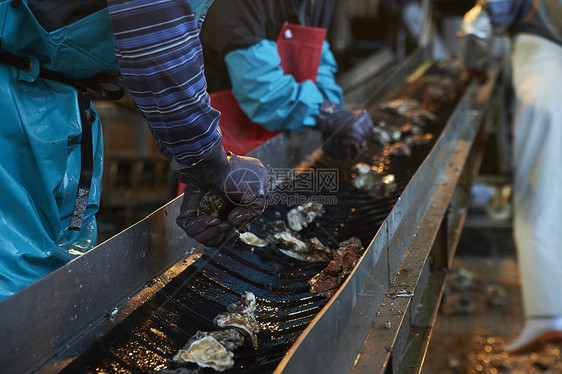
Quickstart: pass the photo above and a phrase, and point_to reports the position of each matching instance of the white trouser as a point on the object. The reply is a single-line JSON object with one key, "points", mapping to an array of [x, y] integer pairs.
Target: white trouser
{"points": [[537, 149]]}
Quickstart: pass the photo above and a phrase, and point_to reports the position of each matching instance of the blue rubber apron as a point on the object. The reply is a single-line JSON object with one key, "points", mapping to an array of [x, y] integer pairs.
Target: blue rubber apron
{"points": [[41, 133]]}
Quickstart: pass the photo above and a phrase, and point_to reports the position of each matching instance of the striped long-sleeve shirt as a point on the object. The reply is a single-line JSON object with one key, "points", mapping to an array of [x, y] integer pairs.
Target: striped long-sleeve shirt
{"points": [[160, 57]]}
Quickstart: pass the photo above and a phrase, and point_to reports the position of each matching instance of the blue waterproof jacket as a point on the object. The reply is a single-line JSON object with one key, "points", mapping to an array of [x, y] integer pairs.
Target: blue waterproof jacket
{"points": [[41, 127], [240, 50]]}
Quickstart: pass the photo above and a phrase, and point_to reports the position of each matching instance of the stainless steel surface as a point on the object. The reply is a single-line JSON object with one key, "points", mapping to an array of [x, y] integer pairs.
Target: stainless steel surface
{"points": [[344, 323], [400, 332], [44, 318]]}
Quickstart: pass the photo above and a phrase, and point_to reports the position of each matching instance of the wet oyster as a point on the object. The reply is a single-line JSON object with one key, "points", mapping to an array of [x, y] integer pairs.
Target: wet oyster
{"points": [[382, 134], [354, 240], [242, 317], [367, 178], [388, 185], [364, 176], [214, 349], [206, 352], [418, 139], [211, 204], [386, 133], [408, 108], [299, 217], [252, 239], [313, 251]]}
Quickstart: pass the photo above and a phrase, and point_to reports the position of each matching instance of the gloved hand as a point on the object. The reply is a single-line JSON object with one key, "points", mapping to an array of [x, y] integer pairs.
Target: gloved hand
{"points": [[242, 180], [474, 41], [345, 133]]}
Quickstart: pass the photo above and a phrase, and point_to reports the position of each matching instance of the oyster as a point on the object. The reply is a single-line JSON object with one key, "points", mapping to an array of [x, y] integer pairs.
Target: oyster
{"points": [[214, 349], [252, 239], [386, 133], [364, 176], [242, 317], [299, 217], [352, 241], [211, 204], [410, 109], [332, 276], [207, 352], [388, 185], [367, 178], [314, 251], [418, 139], [382, 134]]}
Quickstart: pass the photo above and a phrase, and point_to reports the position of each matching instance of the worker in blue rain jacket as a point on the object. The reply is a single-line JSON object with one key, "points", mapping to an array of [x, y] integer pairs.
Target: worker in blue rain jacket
{"points": [[51, 141], [270, 68], [536, 59]]}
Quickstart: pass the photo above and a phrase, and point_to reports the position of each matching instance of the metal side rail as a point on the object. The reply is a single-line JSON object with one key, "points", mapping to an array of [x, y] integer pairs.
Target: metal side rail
{"points": [[372, 324], [401, 330], [46, 325]]}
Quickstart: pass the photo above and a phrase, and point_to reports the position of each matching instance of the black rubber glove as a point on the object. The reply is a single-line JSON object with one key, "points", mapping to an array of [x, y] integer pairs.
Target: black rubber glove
{"points": [[345, 133], [242, 180]]}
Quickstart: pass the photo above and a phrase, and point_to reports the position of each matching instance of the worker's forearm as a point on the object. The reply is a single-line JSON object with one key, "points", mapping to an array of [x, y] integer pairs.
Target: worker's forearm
{"points": [[159, 52], [267, 95]]}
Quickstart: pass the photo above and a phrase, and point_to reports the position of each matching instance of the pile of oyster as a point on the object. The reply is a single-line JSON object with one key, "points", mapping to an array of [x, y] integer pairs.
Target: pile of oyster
{"points": [[214, 349], [285, 240], [327, 281]]}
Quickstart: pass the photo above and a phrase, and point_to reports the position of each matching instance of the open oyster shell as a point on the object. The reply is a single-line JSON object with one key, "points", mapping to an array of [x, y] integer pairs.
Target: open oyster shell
{"points": [[252, 239], [205, 351], [299, 217], [313, 251], [242, 317]]}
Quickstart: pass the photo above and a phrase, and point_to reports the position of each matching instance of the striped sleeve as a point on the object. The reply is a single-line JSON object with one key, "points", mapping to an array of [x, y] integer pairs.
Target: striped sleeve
{"points": [[160, 57]]}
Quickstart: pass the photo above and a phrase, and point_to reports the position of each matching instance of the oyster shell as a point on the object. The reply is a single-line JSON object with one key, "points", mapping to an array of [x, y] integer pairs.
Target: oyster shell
{"points": [[252, 239], [354, 240], [364, 177], [242, 317], [207, 352], [314, 251], [211, 204], [418, 139], [408, 108], [299, 217], [383, 134], [214, 349], [388, 185], [367, 178]]}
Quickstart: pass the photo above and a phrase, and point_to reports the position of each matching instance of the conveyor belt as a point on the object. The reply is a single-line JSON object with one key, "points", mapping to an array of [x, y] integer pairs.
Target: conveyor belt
{"points": [[148, 338]]}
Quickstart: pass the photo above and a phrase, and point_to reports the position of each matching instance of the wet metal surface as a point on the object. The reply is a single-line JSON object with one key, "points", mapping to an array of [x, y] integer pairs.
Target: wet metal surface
{"points": [[476, 343]]}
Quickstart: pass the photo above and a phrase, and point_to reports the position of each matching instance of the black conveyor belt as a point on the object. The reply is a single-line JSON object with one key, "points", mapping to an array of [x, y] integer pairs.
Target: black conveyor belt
{"points": [[148, 338]]}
